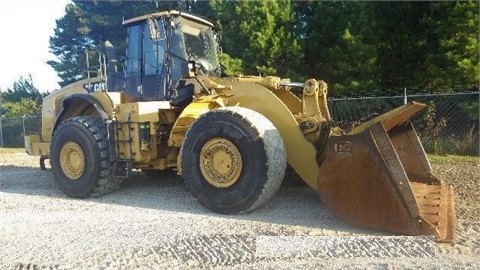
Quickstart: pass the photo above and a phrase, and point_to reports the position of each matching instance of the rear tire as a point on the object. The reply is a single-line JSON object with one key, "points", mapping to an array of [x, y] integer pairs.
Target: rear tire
{"points": [[80, 158], [233, 160]]}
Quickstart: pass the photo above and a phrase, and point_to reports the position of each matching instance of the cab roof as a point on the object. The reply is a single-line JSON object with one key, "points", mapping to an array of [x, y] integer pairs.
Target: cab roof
{"points": [[168, 14]]}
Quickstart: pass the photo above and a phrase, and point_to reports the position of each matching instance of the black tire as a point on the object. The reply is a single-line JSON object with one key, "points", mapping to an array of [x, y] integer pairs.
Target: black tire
{"points": [[158, 174], [262, 162], [88, 175]]}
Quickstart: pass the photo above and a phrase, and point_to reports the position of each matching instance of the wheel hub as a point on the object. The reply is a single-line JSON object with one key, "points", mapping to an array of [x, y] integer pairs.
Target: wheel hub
{"points": [[72, 160], [221, 162]]}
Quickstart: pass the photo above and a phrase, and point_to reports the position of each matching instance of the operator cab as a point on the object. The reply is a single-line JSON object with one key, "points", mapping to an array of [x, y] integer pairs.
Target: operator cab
{"points": [[159, 48]]}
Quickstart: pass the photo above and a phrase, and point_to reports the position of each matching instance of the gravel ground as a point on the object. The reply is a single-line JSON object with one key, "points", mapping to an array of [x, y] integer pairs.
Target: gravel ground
{"points": [[158, 224]]}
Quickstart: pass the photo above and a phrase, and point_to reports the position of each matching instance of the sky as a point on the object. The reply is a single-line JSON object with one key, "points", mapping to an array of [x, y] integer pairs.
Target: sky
{"points": [[25, 29]]}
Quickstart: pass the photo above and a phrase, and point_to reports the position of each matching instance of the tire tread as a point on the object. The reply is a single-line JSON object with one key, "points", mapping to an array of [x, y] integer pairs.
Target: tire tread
{"points": [[106, 182]]}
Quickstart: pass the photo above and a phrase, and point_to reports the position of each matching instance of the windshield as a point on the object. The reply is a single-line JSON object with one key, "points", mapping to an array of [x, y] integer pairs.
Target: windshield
{"points": [[200, 45]]}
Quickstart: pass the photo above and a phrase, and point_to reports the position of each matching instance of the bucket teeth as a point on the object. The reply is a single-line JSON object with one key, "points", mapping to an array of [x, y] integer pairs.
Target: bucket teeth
{"points": [[436, 207]]}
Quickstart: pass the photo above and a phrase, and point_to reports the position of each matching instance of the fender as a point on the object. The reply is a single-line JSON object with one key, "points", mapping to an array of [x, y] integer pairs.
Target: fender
{"points": [[301, 153], [80, 104]]}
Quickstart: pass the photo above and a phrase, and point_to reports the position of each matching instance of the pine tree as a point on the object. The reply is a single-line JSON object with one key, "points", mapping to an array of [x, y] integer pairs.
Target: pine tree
{"points": [[401, 44], [340, 45], [453, 60], [87, 25], [260, 34], [22, 99]]}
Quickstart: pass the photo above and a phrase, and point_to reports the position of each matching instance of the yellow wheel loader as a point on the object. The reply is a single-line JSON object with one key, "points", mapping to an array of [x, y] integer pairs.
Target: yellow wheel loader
{"points": [[232, 139]]}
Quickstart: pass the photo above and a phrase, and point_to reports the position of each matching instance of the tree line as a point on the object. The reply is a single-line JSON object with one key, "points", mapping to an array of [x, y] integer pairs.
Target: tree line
{"points": [[23, 98], [358, 48]]}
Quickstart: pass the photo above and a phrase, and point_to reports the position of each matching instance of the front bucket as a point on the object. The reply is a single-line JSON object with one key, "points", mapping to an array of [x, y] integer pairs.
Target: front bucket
{"points": [[378, 176]]}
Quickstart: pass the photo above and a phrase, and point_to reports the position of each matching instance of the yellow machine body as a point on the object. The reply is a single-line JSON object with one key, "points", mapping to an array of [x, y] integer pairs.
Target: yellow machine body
{"points": [[286, 111]]}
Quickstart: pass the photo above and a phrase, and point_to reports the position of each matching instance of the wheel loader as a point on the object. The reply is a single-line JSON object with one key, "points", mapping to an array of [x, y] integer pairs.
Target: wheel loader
{"points": [[232, 138]]}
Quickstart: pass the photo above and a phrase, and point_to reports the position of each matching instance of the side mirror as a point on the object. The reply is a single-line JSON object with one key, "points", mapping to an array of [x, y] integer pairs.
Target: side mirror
{"points": [[156, 33]]}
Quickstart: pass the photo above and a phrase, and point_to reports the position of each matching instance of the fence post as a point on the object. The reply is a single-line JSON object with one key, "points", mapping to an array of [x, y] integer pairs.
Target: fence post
{"points": [[23, 124], [405, 96], [1, 131]]}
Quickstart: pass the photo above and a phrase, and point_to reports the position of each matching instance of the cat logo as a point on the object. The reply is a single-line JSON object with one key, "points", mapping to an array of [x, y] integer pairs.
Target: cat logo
{"points": [[94, 86]]}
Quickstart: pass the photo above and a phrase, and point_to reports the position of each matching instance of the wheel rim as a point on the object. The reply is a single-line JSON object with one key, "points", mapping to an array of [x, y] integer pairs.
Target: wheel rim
{"points": [[72, 160], [221, 162]]}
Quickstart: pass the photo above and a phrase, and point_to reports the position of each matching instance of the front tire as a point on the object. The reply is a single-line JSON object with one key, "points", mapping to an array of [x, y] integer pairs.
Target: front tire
{"points": [[80, 158], [233, 160]]}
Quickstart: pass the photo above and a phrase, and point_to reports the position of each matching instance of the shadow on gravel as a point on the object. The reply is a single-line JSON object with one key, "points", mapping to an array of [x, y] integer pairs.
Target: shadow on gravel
{"points": [[290, 206], [28, 180]]}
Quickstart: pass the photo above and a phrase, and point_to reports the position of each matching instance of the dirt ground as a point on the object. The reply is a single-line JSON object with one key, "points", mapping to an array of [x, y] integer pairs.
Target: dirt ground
{"points": [[152, 223]]}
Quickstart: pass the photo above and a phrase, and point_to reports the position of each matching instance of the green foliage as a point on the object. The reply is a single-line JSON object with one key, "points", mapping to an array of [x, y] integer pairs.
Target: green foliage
{"points": [[25, 106], [22, 88], [339, 45], [22, 99], [231, 66], [88, 24], [468, 144], [17, 104], [401, 44], [12, 129], [470, 108], [433, 128], [453, 61], [436, 141], [452, 159], [356, 47], [261, 34]]}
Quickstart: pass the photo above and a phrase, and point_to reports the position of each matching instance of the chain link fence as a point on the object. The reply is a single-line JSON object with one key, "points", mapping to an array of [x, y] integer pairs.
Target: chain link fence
{"points": [[12, 130], [449, 125]]}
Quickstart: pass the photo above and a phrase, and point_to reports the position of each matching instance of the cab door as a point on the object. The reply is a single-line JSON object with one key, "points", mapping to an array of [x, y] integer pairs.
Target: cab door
{"points": [[145, 70], [153, 54], [133, 62]]}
